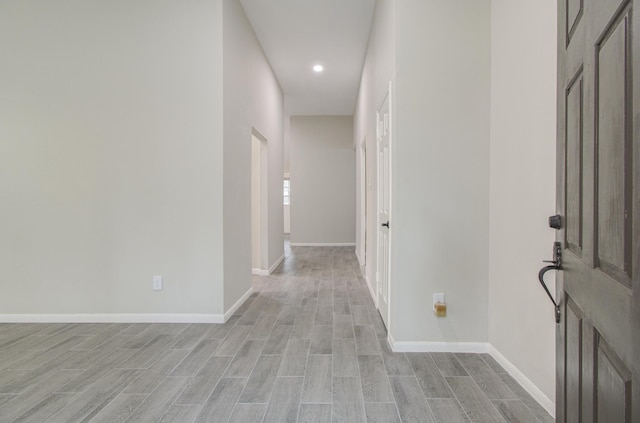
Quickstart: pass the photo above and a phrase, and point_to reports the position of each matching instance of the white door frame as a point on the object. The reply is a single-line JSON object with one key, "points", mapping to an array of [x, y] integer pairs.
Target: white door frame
{"points": [[362, 254], [380, 188], [259, 146]]}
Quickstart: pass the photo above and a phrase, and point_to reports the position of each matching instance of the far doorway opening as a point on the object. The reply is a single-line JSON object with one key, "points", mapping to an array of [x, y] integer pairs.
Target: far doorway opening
{"points": [[259, 197]]}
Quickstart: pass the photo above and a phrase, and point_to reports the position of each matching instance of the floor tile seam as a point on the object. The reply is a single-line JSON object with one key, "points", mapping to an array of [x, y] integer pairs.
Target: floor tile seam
{"points": [[403, 376], [439, 372], [48, 418], [507, 400], [532, 410], [132, 411], [473, 377], [235, 405], [299, 405], [464, 410], [482, 357], [204, 361], [461, 407], [438, 367], [213, 388], [467, 368], [504, 420], [36, 404], [395, 402], [380, 402], [421, 390], [526, 406]]}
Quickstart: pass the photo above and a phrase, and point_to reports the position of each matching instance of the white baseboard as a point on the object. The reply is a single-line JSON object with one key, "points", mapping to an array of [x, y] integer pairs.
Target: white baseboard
{"points": [[320, 244], [262, 272], [237, 305], [125, 318], [524, 381], [112, 318], [479, 347], [276, 264]]}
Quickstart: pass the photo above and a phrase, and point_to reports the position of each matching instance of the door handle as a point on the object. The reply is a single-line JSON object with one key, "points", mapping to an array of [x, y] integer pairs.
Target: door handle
{"points": [[386, 224], [556, 265]]}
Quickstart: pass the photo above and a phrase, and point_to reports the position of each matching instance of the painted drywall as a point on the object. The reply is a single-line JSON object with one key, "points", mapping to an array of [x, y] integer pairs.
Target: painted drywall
{"points": [[378, 70], [110, 156], [253, 101], [523, 122], [287, 136], [467, 177], [440, 159], [323, 168]]}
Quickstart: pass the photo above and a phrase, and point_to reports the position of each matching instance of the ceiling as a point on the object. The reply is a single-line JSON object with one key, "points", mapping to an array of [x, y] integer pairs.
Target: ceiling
{"points": [[298, 34]]}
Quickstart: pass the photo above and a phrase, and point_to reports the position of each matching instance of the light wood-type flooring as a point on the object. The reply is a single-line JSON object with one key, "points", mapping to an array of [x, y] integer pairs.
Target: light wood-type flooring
{"points": [[307, 346]]}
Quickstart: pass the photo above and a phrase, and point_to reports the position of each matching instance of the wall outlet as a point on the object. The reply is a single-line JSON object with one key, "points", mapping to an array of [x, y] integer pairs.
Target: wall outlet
{"points": [[438, 298], [439, 306], [157, 283]]}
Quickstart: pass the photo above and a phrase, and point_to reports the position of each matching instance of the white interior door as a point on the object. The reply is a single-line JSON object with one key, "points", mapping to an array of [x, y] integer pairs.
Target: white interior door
{"points": [[383, 120]]}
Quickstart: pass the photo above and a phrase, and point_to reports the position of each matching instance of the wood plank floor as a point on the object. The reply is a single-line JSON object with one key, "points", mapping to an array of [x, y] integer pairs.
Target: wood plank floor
{"points": [[308, 346]]}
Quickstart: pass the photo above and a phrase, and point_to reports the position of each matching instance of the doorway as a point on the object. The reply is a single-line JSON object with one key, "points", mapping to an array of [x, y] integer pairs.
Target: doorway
{"points": [[383, 135], [361, 252], [259, 196]]}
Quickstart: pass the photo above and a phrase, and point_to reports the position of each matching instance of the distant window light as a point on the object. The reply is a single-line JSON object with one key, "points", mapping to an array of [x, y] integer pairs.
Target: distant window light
{"points": [[287, 192]]}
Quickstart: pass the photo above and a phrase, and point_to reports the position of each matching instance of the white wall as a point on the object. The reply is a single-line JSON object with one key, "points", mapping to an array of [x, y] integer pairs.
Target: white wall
{"points": [[110, 156], [441, 170], [252, 100], [111, 164], [521, 321], [322, 180], [378, 70], [474, 170], [440, 147]]}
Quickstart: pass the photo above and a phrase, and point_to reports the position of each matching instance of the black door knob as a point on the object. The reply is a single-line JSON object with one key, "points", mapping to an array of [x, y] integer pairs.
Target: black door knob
{"points": [[386, 224], [555, 222]]}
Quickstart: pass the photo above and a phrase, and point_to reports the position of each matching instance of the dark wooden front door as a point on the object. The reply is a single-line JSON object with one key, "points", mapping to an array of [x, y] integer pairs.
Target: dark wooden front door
{"points": [[598, 357]]}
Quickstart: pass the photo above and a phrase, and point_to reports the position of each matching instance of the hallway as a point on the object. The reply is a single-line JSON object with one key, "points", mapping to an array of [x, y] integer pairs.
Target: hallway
{"points": [[308, 346]]}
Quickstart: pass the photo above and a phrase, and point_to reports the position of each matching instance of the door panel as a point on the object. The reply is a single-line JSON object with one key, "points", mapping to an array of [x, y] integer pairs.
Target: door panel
{"points": [[613, 380], [574, 164], [574, 13], [597, 189], [612, 73]]}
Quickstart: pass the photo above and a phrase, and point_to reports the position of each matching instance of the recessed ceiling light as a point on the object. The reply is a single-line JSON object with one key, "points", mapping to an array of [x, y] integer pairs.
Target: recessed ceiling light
{"points": [[318, 68]]}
